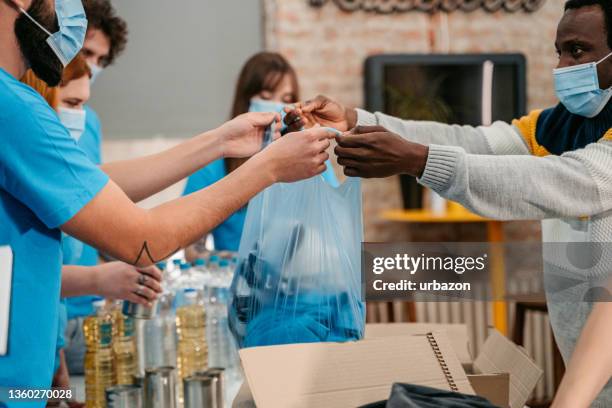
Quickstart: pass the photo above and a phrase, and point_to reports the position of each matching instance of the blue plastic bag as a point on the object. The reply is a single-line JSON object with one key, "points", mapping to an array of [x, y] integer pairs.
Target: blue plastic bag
{"points": [[299, 276]]}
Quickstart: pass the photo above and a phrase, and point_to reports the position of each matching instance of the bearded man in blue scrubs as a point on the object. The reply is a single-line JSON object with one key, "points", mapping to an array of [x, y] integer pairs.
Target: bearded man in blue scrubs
{"points": [[48, 185]]}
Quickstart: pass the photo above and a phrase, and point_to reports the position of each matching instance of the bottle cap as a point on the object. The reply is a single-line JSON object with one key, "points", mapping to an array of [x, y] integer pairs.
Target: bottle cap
{"points": [[176, 261], [199, 262], [99, 304], [190, 293], [185, 266], [224, 263], [214, 258]]}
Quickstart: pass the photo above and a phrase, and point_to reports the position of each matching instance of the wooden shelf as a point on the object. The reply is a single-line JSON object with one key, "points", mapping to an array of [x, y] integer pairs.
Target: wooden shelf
{"points": [[428, 216], [495, 234]]}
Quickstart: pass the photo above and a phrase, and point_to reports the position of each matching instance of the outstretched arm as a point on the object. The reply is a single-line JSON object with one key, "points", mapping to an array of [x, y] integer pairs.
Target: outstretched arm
{"points": [[575, 184], [142, 177], [112, 223], [500, 138]]}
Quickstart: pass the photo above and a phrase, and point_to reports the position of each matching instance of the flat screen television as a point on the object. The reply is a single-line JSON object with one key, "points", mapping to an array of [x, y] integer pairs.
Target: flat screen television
{"points": [[465, 89]]}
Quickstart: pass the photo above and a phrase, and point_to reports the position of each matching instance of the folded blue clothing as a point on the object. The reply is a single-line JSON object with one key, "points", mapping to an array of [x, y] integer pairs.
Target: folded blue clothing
{"points": [[308, 320]]}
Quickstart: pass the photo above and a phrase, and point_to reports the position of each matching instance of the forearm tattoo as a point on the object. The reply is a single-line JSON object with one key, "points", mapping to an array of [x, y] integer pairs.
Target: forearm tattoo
{"points": [[145, 253]]}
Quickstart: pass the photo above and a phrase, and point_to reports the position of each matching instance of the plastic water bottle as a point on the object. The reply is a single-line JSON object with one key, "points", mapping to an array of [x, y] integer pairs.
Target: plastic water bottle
{"points": [[124, 348], [191, 333], [223, 350], [213, 263], [160, 330], [225, 273], [200, 269], [215, 333], [99, 373], [161, 334]]}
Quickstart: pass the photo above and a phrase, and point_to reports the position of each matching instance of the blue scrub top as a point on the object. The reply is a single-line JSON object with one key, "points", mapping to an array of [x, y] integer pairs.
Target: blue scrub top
{"points": [[45, 179], [227, 234], [75, 251]]}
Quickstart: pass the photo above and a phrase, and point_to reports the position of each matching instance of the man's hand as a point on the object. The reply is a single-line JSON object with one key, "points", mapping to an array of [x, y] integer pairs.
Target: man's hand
{"points": [[298, 155], [320, 110], [243, 135], [118, 280], [374, 152]]}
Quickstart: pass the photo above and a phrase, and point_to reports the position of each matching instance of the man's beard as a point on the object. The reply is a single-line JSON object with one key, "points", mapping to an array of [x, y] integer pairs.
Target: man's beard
{"points": [[33, 42]]}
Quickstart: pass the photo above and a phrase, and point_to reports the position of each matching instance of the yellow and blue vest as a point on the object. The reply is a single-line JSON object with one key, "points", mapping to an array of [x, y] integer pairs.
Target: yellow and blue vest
{"points": [[556, 130]]}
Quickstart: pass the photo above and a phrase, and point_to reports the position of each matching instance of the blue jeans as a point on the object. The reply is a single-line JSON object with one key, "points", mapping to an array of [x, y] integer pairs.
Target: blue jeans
{"points": [[75, 346]]}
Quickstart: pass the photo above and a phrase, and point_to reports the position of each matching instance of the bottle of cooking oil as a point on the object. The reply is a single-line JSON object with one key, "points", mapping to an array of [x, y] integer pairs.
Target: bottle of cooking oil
{"points": [[191, 331], [99, 373], [124, 347]]}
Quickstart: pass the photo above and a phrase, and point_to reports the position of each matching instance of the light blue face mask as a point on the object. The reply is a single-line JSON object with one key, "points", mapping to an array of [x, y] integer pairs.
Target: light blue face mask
{"points": [[96, 70], [578, 89], [68, 41], [74, 120], [261, 105]]}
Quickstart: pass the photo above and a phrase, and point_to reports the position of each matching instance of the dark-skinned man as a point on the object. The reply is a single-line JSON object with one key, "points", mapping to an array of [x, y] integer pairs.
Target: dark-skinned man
{"points": [[554, 165]]}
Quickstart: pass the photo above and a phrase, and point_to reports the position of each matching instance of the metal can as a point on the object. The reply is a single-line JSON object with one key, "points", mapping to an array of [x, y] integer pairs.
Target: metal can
{"points": [[124, 396], [160, 387], [219, 374], [200, 391], [138, 311]]}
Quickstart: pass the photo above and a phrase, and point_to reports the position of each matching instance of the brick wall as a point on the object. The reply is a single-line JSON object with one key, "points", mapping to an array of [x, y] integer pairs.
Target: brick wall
{"points": [[328, 47]]}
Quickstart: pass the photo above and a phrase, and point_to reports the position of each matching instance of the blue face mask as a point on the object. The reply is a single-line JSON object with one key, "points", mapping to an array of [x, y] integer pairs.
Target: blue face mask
{"points": [[578, 89], [261, 105], [74, 120], [96, 70], [68, 41]]}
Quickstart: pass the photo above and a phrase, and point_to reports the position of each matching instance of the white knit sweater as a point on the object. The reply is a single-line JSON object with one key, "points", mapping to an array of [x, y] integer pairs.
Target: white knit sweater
{"points": [[490, 170]]}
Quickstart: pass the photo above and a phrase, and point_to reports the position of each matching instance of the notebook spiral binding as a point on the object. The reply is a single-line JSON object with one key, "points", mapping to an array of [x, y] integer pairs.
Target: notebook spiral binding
{"points": [[436, 349]]}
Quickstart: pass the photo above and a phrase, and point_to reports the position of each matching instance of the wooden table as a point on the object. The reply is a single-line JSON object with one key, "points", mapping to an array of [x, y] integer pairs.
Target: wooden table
{"points": [[495, 234]]}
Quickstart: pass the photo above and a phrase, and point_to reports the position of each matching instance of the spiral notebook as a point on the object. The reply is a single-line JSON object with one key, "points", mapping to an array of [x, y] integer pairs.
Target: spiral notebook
{"points": [[350, 374]]}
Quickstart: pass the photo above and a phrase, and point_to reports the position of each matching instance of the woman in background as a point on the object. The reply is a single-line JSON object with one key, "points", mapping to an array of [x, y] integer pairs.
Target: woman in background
{"points": [[267, 83]]}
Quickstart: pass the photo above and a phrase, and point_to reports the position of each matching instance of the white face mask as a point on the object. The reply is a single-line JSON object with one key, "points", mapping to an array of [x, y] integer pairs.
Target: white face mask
{"points": [[74, 120]]}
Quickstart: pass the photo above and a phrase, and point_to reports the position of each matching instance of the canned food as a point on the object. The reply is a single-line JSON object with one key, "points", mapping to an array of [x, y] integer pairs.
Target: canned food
{"points": [[160, 387], [200, 391], [219, 374], [138, 311], [124, 396]]}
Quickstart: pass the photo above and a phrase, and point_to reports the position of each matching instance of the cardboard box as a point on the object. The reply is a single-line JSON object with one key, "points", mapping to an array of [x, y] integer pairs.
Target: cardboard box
{"points": [[501, 356], [457, 333], [502, 372], [339, 375], [343, 375]]}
